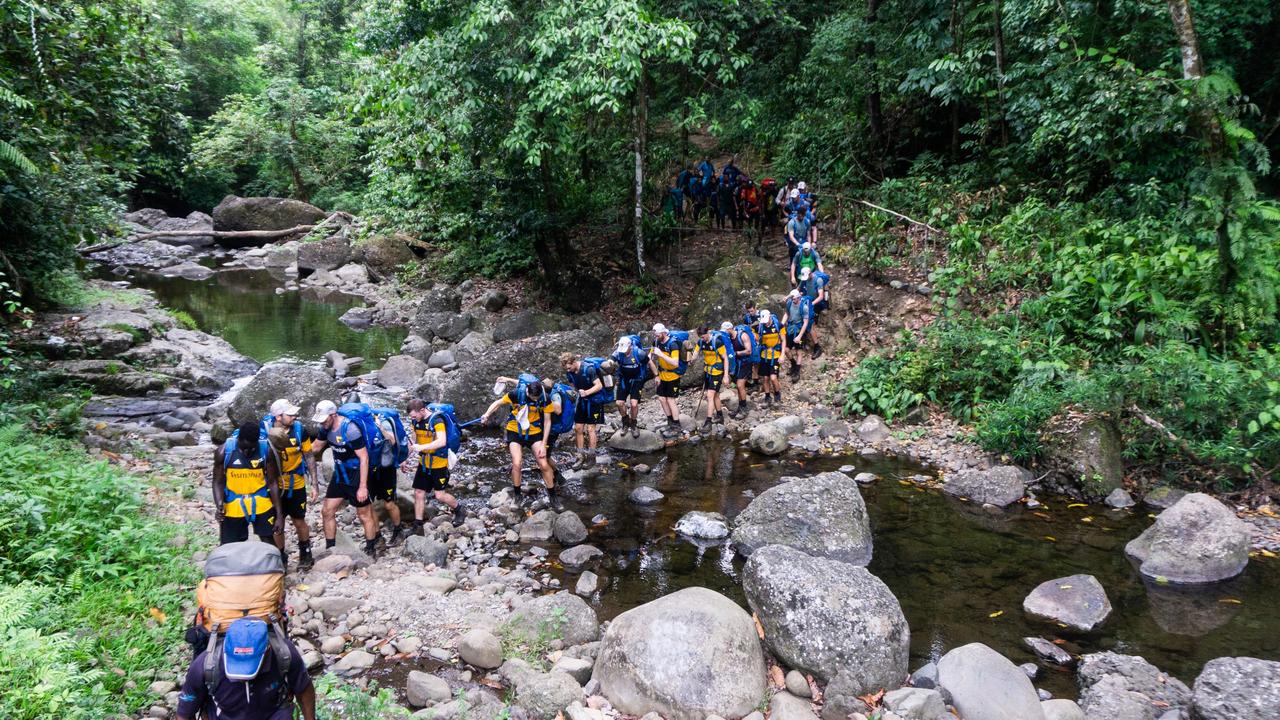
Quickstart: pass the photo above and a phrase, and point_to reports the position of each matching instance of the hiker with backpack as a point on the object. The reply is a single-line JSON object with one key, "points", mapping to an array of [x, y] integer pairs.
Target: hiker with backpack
{"points": [[246, 488], [747, 351], [769, 333], [667, 362], [726, 203], [349, 434], [769, 205], [716, 367], [430, 442], [797, 318], [633, 368], [594, 385], [382, 481], [749, 203], [528, 426], [796, 231], [292, 443], [814, 290], [808, 258], [255, 673]]}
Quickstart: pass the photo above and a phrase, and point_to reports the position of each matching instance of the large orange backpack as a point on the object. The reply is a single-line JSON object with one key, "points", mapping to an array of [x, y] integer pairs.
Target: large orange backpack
{"points": [[241, 579]]}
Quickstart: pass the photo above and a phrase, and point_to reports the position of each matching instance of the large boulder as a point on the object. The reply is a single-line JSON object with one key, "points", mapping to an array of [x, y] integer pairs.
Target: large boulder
{"points": [[262, 213], [1238, 688], [1079, 602], [823, 516], [647, 442], [528, 323], [1198, 540], [301, 383], [330, 253], [731, 285], [1126, 687], [403, 371], [563, 615], [684, 656], [385, 255], [1000, 486], [985, 685], [195, 221], [542, 696], [472, 345], [827, 617], [198, 363], [1085, 455], [769, 439], [470, 387]]}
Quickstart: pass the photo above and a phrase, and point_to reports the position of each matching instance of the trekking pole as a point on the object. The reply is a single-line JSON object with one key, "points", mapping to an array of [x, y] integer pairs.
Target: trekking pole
{"points": [[701, 398], [470, 422]]}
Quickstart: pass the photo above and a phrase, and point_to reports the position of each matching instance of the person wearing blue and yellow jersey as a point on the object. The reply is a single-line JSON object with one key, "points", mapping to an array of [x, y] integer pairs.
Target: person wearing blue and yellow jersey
{"points": [[432, 476], [351, 474], [664, 363], [528, 426], [770, 333], [715, 366], [246, 488], [292, 441]]}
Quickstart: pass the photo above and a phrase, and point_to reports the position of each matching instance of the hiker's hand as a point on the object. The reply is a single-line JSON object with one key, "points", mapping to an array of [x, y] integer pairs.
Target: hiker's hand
{"points": [[540, 453], [362, 495], [279, 529], [219, 513]]}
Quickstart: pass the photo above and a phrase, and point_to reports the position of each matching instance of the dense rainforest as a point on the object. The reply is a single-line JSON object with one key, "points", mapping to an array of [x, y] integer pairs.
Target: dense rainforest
{"points": [[1091, 182]]}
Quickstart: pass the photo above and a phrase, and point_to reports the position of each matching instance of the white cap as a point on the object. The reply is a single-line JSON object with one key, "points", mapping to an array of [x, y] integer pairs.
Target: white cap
{"points": [[794, 294], [284, 407], [800, 185], [765, 315], [806, 246], [726, 326], [659, 329], [795, 193], [324, 409], [624, 343], [804, 273]]}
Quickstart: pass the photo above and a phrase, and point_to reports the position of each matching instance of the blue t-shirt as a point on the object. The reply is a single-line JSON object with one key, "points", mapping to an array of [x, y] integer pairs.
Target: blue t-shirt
{"points": [[798, 227]]}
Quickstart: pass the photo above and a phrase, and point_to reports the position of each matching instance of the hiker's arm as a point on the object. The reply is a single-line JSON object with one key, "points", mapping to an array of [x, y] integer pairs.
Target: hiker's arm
{"points": [[438, 440], [803, 328], [363, 493], [595, 388], [273, 488], [484, 419], [219, 485], [307, 703]]}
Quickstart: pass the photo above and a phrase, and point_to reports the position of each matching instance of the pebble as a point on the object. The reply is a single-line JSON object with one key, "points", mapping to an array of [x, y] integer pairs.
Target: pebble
{"points": [[797, 684], [332, 645]]}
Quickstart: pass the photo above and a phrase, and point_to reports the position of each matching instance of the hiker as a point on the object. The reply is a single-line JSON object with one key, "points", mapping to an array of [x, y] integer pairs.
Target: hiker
{"points": [[666, 363], [796, 231], [814, 290], [633, 364], [796, 318], [292, 441], [715, 365], [806, 258], [382, 480], [563, 401], [769, 205], [350, 482], [699, 195], [251, 680], [770, 334], [783, 198], [707, 172], [730, 170], [749, 202], [246, 488], [430, 442], [684, 184], [744, 347], [527, 427], [810, 201], [751, 318], [722, 202], [589, 414]]}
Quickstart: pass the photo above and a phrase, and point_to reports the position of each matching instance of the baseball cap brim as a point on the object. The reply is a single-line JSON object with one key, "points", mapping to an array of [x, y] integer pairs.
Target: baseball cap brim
{"points": [[244, 648]]}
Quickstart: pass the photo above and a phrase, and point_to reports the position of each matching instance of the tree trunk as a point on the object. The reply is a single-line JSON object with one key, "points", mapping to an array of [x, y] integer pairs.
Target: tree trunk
{"points": [[299, 187], [957, 42], [875, 114], [1188, 45], [540, 246], [998, 22], [642, 120]]}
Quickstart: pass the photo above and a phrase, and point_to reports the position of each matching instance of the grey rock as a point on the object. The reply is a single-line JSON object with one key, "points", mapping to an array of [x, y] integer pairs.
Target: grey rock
{"points": [[1119, 499], [840, 697], [1000, 486], [352, 274], [328, 254], [332, 645], [568, 528], [1126, 687], [703, 525], [587, 584], [873, 429], [826, 617], [729, 286], [423, 689], [480, 648], [649, 441], [494, 300], [384, 255], [301, 383], [1031, 670], [915, 703], [1077, 601], [769, 439], [791, 424], [426, 550], [541, 695], [1061, 710], [1164, 497], [984, 685], [824, 516], [786, 706], [1198, 540], [334, 606], [441, 358], [926, 677], [576, 668], [262, 213], [645, 495], [188, 271], [540, 527], [527, 324], [1238, 688], [353, 663], [685, 656], [357, 318], [797, 684], [472, 345], [1085, 455], [579, 557], [565, 615], [403, 371], [1048, 652]]}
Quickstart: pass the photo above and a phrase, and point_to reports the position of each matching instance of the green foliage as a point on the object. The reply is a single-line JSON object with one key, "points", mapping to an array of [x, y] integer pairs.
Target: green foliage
{"points": [[90, 585], [871, 389], [184, 319], [533, 647], [643, 296], [338, 700]]}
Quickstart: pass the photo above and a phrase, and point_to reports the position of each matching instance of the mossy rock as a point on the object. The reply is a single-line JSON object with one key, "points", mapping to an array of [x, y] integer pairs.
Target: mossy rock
{"points": [[733, 283]]}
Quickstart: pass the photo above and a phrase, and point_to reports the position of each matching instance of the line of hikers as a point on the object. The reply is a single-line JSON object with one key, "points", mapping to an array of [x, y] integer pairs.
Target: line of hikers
{"points": [[267, 470], [734, 199]]}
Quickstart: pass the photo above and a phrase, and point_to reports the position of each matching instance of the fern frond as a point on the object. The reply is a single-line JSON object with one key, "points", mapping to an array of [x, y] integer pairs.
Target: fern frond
{"points": [[13, 99], [10, 155]]}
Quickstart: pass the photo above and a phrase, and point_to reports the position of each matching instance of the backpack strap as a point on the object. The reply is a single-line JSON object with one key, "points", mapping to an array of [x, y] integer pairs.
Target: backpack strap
{"points": [[284, 660], [212, 668]]}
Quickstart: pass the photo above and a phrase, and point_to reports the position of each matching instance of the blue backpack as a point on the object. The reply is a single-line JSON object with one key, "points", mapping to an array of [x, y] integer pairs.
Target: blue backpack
{"points": [[523, 381], [397, 427], [452, 433], [363, 417], [675, 341], [796, 320], [563, 422], [755, 340], [228, 454], [591, 366], [730, 352]]}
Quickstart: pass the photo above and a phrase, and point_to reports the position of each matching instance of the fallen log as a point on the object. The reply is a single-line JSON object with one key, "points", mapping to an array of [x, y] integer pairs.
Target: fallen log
{"points": [[230, 234]]}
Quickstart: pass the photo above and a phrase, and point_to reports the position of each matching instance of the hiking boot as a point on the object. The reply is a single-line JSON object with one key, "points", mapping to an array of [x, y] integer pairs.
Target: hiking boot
{"points": [[553, 499], [817, 351], [371, 547], [418, 528], [720, 417], [635, 428], [459, 515], [305, 560], [777, 398], [706, 424], [525, 501], [395, 536]]}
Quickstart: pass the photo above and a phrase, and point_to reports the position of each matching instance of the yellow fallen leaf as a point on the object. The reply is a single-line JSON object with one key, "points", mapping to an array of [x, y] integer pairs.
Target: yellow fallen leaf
{"points": [[1266, 510], [1065, 587], [904, 482], [302, 588], [1050, 538], [624, 466], [1086, 519], [996, 614], [759, 627], [1231, 601], [1267, 553], [158, 614], [1076, 505]]}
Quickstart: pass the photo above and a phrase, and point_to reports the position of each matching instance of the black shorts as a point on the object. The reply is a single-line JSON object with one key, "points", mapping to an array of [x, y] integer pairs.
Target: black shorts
{"points": [[588, 413], [712, 382], [551, 440], [792, 342], [382, 483], [629, 390], [344, 491], [294, 507], [744, 370], [236, 529], [669, 388], [431, 479], [524, 440], [768, 368]]}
